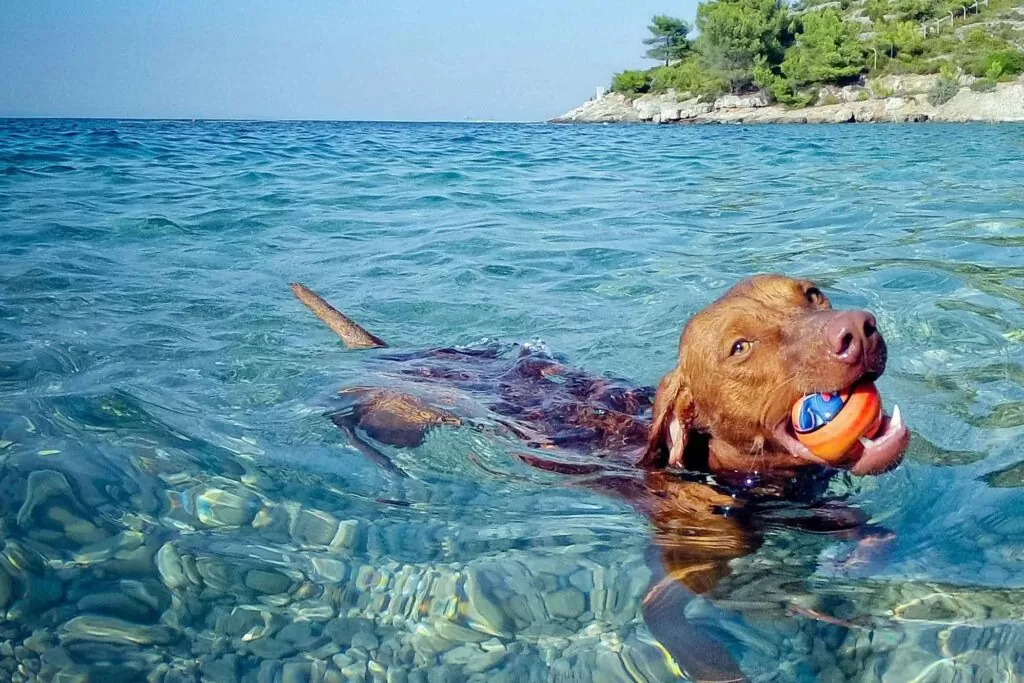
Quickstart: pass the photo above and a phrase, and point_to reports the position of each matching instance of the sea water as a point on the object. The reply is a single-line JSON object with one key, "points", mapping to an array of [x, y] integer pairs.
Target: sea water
{"points": [[176, 507]]}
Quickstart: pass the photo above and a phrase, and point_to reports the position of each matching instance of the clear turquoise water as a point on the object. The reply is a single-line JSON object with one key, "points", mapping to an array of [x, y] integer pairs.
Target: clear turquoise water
{"points": [[177, 508]]}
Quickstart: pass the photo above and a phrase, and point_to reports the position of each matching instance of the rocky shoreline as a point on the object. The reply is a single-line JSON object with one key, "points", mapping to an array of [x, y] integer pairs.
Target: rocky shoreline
{"points": [[887, 100]]}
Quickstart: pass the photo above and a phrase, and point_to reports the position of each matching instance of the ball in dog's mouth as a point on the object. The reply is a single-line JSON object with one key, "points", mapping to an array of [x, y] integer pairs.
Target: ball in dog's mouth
{"points": [[847, 428]]}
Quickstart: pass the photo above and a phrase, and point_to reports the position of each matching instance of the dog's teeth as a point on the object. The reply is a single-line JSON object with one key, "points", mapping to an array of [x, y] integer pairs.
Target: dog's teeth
{"points": [[896, 421], [866, 442]]}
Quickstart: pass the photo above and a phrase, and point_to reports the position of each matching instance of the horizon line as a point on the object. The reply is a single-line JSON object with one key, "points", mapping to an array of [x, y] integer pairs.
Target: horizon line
{"points": [[197, 119]]}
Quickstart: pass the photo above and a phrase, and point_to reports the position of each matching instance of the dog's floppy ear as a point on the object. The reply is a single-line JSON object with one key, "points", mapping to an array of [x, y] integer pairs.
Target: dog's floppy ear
{"points": [[673, 420]]}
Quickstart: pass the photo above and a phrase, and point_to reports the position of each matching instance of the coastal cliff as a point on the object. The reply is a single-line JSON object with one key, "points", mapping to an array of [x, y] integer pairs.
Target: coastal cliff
{"points": [[824, 61], [894, 99]]}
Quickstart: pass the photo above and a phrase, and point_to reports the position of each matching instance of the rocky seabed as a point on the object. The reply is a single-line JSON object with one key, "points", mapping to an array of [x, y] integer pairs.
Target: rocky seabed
{"points": [[228, 585]]}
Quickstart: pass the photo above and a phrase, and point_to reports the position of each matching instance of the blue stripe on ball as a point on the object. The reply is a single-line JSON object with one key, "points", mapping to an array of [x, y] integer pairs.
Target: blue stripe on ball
{"points": [[816, 411]]}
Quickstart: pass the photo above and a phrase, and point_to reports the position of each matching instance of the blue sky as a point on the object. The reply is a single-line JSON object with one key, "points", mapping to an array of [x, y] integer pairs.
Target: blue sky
{"points": [[316, 59]]}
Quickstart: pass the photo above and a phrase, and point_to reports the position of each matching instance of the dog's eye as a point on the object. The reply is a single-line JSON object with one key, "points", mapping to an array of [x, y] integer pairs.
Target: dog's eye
{"points": [[740, 347], [814, 295]]}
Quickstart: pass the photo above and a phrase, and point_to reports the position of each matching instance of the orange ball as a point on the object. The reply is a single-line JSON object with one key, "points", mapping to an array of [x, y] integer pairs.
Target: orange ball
{"points": [[831, 424]]}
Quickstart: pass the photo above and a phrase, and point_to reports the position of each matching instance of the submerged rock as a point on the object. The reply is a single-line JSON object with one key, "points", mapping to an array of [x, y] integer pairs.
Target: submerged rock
{"points": [[222, 669], [6, 589], [217, 507], [268, 582], [102, 629], [169, 566], [315, 527], [296, 672], [117, 605], [481, 612], [566, 603]]}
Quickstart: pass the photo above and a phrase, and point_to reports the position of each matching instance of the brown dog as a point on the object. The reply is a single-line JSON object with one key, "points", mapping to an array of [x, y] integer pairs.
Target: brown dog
{"points": [[723, 411], [746, 359]]}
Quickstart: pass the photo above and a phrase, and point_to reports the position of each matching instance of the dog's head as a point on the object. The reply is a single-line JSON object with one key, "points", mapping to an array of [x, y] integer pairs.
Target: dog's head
{"points": [[746, 359]]}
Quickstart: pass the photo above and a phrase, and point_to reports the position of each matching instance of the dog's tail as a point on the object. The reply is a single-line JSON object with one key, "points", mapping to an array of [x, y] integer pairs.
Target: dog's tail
{"points": [[352, 335]]}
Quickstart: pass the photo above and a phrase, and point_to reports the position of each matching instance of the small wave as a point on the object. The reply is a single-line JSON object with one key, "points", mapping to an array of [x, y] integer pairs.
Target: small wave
{"points": [[437, 177], [254, 177], [158, 225], [18, 170]]}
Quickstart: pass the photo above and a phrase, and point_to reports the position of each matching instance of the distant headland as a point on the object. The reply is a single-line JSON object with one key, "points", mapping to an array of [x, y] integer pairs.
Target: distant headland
{"points": [[845, 61]]}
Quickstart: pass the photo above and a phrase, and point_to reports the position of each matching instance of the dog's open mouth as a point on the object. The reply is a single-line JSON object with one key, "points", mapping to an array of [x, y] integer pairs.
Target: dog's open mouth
{"points": [[881, 453]]}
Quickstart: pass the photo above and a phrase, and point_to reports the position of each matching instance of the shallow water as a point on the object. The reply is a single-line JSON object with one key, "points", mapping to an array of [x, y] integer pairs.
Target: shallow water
{"points": [[177, 508]]}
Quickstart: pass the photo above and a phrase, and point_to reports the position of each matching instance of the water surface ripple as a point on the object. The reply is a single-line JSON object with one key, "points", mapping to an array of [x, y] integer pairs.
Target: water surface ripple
{"points": [[177, 508]]}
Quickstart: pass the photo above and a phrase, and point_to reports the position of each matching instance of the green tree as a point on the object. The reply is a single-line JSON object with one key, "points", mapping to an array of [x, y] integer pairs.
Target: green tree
{"points": [[827, 49], [736, 34], [900, 37], [916, 10], [782, 90], [668, 39]]}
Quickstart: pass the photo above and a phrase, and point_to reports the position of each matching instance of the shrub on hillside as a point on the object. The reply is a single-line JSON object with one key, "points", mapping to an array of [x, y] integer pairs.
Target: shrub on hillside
{"points": [[945, 88], [995, 65], [983, 85], [687, 76], [1009, 33], [631, 82], [983, 54], [942, 45], [978, 43], [926, 66], [901, 10], [911, 64]]}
